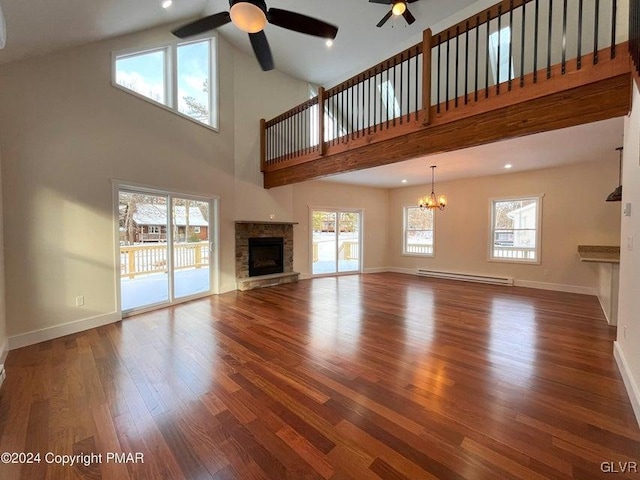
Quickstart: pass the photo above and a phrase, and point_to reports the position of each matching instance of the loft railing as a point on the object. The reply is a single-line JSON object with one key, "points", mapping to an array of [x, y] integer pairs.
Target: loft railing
{"points": [[509, 46], [634, 32]]}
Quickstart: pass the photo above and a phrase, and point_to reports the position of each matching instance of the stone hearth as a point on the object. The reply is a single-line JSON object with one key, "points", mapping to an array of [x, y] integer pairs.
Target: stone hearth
{"points": [[257, 229]]}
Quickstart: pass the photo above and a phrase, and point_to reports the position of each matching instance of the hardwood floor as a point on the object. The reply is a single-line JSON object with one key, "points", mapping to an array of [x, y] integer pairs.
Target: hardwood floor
{"points": [[362, 377]]}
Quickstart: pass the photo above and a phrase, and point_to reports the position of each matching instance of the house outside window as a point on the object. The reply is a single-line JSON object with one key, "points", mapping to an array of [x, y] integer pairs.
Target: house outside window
{"points": [[180, 77], [418, 234], [515, 229]]}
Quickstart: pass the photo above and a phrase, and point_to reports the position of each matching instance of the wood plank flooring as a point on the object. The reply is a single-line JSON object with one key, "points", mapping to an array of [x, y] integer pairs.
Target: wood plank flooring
{"points": [[380, 376]]}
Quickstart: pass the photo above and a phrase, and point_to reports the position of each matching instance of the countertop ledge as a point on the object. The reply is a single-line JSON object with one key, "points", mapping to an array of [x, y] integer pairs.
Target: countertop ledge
{"points": [[599, 253]]}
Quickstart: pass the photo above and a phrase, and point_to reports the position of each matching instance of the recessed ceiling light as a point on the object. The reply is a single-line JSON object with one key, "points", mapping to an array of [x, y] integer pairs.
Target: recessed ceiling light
{"points": [[329, 43], [166, 3], [508, 166], [404, 180]]}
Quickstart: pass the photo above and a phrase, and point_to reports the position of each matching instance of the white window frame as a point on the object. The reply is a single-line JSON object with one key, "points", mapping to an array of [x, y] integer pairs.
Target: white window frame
{"points": [[171, 76], [196, 229], [405, 215], [538, 249]]}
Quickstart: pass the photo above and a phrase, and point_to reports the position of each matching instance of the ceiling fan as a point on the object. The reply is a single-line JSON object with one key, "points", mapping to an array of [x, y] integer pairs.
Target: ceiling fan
{"points": [[398, 7], [251, 16]]}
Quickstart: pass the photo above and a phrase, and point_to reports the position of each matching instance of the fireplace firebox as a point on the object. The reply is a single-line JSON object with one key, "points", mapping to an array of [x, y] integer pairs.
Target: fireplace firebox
{"points": [[266, 255]]}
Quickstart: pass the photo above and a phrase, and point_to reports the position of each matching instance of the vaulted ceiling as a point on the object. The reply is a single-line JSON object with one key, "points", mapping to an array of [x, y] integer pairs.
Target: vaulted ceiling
{"points": [[36, 27], [39, 26]]}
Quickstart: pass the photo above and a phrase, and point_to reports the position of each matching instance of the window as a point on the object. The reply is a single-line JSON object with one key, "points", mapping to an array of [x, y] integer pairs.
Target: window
{"points": [[154, 229], [418, 232], [388, 95], [515, 229], [144, 73], [501, 39], [196, 229], [180, 77]]}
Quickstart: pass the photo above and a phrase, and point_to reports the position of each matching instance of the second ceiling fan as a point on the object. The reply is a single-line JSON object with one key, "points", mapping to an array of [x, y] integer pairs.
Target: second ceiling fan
{"points": [[398, 7]]}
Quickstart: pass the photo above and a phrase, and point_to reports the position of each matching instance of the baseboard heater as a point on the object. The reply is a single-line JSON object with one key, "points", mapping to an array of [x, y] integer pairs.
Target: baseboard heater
{"points": [[466, 277]]}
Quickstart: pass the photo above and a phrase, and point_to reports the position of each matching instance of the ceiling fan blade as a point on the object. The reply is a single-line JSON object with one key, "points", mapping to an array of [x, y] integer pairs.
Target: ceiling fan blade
{"points": [[301, 23], [262, 50], [385, 2], [203, 25], [384, 19], [408, 17]]}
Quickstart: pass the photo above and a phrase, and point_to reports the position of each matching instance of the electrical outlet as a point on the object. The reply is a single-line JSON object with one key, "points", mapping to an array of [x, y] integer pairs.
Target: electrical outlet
{"points": [[624, 332], [547, 272], [630, 242], [80, 301]]}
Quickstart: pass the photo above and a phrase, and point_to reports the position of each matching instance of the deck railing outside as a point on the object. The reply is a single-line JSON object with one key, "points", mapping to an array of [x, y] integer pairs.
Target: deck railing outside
{"points": [[145, 259], [510, 45]]}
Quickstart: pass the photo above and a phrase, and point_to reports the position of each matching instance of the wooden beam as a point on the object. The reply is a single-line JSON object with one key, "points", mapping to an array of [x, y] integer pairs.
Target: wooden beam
{"points": [[263, 144], [601, 100]]}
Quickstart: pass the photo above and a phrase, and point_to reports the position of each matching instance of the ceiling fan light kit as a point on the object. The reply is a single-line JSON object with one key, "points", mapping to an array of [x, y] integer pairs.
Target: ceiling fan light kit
{"points": [[399, 7], [252, 16], [249, 16]]}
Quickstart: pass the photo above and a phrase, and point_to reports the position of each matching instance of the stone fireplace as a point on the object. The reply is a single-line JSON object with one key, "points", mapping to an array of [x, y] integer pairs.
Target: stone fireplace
{"points": [[264, 254]]}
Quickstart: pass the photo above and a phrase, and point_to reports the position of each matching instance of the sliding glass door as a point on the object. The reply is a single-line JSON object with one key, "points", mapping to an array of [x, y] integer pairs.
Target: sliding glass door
{"points": [[191, 274], [165, 248], [336, 241]]}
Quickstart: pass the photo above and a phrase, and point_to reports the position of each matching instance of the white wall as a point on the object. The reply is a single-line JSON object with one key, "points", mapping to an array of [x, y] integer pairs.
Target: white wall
{"points": [[258, 95], [321, 194], [3, 330], [66, 133], [627, 346], [574, 212]]}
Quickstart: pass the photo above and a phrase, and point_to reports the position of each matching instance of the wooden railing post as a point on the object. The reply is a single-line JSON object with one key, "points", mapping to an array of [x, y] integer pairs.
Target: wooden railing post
{"points": [[263, 144], [426, 76], [132, 263], [321, 144], [198, 256]]}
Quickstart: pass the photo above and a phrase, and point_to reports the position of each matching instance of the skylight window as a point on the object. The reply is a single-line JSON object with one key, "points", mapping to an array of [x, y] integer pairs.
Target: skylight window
{"points": [[180, 77], [501, 38], [388, 95]]}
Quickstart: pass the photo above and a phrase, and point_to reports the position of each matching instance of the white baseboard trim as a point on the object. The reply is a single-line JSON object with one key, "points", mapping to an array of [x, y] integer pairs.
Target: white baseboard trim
{"points": [[376, 270], [604, 310], [57, 331], [558, 287], [408, 271], [4, 350], [226, 288], [629, 382]]}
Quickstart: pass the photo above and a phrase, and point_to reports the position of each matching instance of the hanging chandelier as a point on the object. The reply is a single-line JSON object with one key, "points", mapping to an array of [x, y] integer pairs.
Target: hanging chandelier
{"points": [[432, 201]]}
